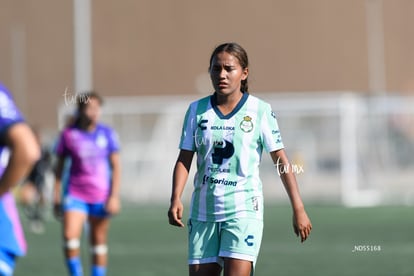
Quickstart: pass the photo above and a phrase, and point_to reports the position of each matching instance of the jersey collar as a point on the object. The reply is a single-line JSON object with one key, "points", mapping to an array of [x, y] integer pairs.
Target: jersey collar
{"points": [[234, 111]]}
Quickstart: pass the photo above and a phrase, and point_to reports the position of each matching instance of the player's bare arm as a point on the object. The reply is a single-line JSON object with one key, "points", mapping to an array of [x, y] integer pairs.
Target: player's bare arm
{"points": [[24, 153], [180, 176], [302, 225], [113, 204]]}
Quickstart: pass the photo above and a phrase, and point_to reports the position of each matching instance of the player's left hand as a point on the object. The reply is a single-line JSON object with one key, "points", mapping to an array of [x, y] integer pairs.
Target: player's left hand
{"points": [[302, 225], [113, 205]]}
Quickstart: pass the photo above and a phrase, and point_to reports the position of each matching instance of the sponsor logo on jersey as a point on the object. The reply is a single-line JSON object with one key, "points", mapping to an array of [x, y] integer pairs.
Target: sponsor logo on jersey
{"points": [[218, 170], [278, 136], [218, 181], [222, 128], [222, 150], [246, 125]]}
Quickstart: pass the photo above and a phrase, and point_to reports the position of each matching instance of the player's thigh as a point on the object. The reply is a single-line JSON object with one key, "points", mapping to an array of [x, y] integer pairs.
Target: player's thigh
{"points": [[98, 229], [210, 269], [74, 215], [237, 267], [72, 224]]}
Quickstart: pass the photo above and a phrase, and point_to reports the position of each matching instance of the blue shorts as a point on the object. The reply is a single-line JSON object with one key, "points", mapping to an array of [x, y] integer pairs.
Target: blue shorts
{"points": [[7, 263], [71, 203]]}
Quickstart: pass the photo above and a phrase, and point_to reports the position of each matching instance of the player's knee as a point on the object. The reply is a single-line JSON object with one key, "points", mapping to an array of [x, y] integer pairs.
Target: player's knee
{"points": [[72, 244], [100, 249]]}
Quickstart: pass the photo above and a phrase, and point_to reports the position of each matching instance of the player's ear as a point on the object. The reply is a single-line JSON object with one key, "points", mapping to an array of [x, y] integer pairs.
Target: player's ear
{"points": [[245, 73]]}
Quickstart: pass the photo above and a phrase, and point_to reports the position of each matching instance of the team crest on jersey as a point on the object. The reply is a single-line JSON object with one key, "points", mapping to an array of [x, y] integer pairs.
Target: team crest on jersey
{"points": [[101, 141], [246, 125]]}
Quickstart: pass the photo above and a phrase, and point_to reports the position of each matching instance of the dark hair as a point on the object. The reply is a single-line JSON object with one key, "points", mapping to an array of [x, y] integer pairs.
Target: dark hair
{"points": [[237, 51], [83, 99]]}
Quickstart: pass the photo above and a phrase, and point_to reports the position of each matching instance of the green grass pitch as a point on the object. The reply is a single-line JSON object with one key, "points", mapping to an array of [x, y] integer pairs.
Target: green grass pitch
{"points": [[359, 241]]}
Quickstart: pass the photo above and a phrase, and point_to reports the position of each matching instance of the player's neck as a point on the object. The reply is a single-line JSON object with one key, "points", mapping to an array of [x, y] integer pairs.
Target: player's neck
{"points": [[226, 103], [91, 127]]}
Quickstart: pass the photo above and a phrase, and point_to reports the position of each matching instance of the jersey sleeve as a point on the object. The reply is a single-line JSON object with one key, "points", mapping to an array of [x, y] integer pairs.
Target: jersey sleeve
{"points": [[187, 141], [9, 113], [113, 141], [271, 138], [61, 148]]}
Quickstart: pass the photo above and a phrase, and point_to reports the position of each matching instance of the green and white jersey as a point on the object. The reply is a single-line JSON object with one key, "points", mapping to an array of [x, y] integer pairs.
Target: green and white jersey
{"points": [[229, 149]]}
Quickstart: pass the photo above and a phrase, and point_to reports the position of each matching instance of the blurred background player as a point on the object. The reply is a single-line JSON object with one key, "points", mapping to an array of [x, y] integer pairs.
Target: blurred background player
{"points": [[229, 130], [18, 152], [92, 192], [32, 193]]}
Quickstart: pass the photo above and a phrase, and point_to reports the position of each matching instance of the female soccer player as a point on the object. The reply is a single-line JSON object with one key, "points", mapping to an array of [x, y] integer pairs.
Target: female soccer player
{"points": [[228, 130], [18, 153], [93, 187]]}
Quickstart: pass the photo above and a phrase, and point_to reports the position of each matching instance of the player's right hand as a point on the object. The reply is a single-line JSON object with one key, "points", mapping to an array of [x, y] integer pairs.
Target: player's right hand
{"points": [[175, 213], [58, 211]]}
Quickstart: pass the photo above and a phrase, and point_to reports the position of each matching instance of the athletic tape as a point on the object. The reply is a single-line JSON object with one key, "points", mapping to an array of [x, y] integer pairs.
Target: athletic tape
{"points": [[100, 249], [72, 244]]}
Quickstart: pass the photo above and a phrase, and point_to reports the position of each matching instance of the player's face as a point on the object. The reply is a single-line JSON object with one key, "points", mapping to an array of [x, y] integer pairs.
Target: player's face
{"points": [[93, 110], [226, 73]]}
